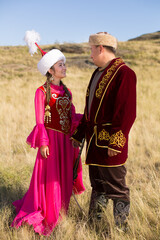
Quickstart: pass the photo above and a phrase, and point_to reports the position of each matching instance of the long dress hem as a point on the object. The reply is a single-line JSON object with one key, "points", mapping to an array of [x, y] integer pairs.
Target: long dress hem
{"points": [[51, 183]]}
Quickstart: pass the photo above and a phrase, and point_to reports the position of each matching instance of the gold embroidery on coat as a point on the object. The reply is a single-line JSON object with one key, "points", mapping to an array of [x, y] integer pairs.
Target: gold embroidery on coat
{"points": [[107, 76], [103, 135], [117, 139]]}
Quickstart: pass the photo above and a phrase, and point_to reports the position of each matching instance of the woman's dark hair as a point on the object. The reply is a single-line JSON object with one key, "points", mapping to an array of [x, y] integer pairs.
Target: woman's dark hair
{"points": [[66, 90], [48, 88]]}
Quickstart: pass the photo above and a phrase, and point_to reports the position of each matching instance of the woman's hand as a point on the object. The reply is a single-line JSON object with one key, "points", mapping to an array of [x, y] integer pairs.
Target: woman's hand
{"points": [[111, 153], [44, 150]]}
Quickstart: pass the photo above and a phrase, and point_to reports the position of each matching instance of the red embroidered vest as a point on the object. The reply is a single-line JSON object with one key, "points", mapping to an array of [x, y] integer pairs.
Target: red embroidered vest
{"points": [[60, 108]]}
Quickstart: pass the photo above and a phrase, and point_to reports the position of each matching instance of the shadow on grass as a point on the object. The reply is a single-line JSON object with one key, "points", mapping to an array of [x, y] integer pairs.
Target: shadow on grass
{"points": [[10, 190]]}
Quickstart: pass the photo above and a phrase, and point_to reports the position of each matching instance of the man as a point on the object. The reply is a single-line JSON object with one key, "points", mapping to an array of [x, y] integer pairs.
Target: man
{"points": [[109, 114]]}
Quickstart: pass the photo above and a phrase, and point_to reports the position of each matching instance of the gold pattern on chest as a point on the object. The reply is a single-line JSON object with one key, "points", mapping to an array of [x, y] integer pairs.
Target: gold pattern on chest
{"points": [[107, 77]]}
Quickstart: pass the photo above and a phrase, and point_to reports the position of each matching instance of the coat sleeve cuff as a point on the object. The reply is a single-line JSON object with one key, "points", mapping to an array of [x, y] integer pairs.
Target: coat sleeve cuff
{"points": [[117, 141], [78, 135], [104, 139]]}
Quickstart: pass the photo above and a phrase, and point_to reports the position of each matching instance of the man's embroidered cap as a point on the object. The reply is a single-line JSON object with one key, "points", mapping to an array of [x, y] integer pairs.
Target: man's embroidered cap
{"points": [[48, 58], [103, 38]]}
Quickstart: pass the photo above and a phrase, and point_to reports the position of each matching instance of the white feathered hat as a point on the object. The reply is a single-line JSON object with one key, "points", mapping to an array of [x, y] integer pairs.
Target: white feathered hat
{"points": [[48, 58]]}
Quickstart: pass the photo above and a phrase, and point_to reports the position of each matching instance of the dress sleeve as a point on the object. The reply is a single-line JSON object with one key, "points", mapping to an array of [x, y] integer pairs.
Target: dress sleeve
{"points": [[75, 118], [39, 137]]}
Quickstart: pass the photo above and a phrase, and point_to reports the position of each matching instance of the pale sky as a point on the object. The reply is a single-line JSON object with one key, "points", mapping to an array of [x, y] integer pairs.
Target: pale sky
{"points": [[73, 21]]}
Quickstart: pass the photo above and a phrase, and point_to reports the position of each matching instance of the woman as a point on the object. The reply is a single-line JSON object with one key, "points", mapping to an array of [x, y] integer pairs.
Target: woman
{"points": [[52, 179]]}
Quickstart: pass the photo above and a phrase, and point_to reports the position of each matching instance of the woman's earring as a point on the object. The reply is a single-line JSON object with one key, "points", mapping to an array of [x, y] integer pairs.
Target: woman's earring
{"points": [[52, 78]]}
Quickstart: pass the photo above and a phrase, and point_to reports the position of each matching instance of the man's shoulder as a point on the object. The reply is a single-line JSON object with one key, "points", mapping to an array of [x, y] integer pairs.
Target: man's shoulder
{"points": [[125, 69]]}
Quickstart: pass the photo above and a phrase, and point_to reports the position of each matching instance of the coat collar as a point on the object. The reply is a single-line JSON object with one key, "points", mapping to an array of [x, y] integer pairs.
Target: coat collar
{"points": [[103, 83]]}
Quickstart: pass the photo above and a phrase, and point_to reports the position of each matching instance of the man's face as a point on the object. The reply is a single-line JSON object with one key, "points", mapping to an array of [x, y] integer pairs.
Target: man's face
{"points": [[95, 54]]}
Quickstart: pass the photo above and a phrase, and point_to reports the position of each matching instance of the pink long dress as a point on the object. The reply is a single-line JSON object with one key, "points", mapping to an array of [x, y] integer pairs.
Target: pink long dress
{"points": [[51, 184]]}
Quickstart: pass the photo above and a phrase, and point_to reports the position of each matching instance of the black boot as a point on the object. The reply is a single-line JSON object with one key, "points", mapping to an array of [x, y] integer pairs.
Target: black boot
{"points": [[97, 203], [121, 213]]}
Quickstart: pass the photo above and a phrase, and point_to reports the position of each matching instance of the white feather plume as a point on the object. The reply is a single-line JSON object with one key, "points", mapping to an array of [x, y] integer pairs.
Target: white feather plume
{"points": [[30, 38]]}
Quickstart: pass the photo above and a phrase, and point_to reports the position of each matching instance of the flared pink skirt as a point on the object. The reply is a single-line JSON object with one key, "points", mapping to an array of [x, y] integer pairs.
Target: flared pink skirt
{"points": [[51, 186]]}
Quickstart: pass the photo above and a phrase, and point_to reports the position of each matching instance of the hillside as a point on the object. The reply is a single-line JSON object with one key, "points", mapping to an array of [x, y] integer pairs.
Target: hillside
{"points": [[19, 79], [147, 36]]}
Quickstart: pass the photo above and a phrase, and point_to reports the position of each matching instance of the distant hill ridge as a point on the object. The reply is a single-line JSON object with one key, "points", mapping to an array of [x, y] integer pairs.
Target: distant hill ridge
{"points": [[147, 36]]}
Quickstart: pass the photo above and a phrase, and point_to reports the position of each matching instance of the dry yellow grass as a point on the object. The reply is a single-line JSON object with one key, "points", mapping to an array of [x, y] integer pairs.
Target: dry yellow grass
{"points": [[19, 80]]}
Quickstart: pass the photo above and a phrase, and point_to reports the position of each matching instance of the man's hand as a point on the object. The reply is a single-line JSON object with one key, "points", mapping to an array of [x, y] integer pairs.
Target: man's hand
{"points": [[44, 151], [75, 144], [111, 153]]}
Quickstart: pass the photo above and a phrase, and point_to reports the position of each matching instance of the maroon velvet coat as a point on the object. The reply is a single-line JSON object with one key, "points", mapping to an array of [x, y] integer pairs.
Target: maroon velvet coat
{"points": [[112, 114]]}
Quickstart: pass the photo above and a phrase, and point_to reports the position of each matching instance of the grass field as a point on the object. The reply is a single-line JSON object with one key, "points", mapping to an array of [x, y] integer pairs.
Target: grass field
{"points": [[19, 79]]}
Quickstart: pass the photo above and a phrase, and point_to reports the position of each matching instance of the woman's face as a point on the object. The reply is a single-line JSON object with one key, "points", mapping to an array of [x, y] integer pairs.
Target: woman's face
{"points": [[59, 70]]}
